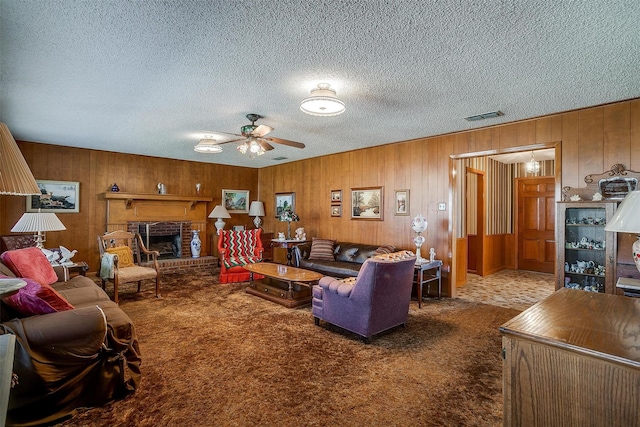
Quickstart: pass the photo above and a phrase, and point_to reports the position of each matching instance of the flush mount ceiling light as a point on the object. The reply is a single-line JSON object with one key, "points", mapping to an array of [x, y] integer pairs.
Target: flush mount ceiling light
{"points": [[532, 166], [322, 102], [208, 145]]}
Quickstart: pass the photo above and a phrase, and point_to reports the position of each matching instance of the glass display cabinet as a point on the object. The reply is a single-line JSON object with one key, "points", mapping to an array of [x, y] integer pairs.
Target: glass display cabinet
{"points": [[586, 258]]}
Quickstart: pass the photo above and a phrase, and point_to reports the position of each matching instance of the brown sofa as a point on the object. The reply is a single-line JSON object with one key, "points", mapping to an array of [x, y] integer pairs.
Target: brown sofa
{"points": [[348, 258], [65, 360]]}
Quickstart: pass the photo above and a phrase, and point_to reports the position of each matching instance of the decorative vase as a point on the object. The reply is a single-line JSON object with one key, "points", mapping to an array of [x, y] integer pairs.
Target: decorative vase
{"points": [[196, 244], [115, 188]]}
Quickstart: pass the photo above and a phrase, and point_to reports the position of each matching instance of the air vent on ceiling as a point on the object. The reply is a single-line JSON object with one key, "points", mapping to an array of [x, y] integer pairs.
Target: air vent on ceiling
{"points": [[484, 116], [280, 158]]}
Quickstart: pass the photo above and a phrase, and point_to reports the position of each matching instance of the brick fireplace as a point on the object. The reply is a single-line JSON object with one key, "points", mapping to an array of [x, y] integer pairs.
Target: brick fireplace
{"points": [[165, 222], [171, 238]]}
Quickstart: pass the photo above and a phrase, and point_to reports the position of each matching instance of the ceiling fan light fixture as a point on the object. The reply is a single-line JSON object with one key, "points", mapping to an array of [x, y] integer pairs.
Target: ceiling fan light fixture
{"points": [[207, 145], [322, 102]]}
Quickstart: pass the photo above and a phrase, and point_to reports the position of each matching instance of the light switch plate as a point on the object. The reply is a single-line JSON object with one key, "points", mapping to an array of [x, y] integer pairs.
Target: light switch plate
{"points": [[442, 206]]}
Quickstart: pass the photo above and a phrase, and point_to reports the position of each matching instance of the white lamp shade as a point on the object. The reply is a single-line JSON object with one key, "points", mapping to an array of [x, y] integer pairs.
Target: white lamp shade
{"points": [[626, 219], [15, 176], [256, 208], [32, 222], [219, 212]]}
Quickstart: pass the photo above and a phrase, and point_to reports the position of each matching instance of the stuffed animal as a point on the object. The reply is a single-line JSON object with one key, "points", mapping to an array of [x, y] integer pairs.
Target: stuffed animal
{"points": [[300, 234]]}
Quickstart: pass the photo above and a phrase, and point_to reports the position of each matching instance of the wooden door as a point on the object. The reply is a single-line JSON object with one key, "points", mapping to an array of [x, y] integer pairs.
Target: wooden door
{"points": [[536, 224], [475, 221]]}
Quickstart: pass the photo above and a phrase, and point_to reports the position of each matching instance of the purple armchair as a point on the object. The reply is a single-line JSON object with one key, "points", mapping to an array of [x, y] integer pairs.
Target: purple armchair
{"points": [[377, 300]]}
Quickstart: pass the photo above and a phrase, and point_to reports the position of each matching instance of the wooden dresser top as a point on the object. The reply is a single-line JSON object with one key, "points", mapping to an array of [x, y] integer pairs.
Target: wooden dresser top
{"points": [[601, 325]]}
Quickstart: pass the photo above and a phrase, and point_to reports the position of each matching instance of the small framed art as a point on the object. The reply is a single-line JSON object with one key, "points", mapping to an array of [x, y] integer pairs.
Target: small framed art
{"points": [[401, 202], [55, 196], [336, 196], [367, 203], [285, 201], [236, 201], [336, 210]]}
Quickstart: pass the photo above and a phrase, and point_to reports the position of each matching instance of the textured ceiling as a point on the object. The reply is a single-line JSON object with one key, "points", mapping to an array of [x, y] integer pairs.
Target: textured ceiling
{"points": [[150, 77]]}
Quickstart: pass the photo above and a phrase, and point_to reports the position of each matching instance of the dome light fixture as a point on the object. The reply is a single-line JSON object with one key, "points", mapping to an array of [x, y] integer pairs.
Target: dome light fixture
{"points": [[208, 145], [322, 102]]}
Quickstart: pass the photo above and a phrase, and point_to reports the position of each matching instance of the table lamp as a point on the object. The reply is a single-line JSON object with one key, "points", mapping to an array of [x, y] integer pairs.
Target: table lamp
{"points": [[256, 209], [38, 222], [626, 219], [219, 212]]}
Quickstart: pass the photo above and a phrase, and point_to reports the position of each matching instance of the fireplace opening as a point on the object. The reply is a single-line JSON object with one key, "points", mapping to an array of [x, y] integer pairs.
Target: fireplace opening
{"points": [[164, 237]]}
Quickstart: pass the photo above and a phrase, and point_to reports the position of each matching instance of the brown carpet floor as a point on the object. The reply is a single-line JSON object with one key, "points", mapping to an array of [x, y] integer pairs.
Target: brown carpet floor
{"points": [[216, 356]]}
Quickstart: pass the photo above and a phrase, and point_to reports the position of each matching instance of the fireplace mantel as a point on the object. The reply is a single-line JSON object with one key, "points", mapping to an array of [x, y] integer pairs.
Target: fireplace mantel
{"points": [[129, 198]]}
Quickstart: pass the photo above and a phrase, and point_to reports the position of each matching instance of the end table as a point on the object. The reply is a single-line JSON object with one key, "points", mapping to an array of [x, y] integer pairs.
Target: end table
{"points": [[420, 279]]}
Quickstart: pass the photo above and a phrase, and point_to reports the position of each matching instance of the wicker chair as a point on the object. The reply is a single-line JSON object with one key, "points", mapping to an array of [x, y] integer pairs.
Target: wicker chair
{"points": [[128, 266]]}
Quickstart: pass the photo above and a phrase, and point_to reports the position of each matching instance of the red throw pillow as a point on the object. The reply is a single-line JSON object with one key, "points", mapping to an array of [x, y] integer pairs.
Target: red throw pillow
{"points": [[31, 263], [35, 298]]}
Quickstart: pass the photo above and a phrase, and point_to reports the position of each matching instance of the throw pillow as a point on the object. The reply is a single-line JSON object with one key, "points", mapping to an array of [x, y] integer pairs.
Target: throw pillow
{"points": [[125, 256], [322, 249], [31, 263], [35, 298], [395, 256], [385, 249]]}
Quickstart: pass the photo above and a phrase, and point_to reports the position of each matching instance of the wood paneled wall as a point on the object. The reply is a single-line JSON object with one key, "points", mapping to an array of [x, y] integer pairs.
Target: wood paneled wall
{"points": [[98, 170], [592, 140]]}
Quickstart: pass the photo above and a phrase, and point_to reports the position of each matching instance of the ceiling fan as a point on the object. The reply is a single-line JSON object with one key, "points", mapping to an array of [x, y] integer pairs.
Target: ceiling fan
{"points": [[253, 138]]}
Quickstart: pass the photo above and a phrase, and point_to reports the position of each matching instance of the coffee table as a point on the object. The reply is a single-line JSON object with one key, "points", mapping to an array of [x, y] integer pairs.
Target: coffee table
{"points": [[282, 284]]}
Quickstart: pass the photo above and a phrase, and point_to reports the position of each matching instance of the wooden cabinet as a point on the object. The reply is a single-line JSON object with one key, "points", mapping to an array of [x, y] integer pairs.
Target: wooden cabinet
{"points": [[573, 360], [586, 253], [267, 249]]}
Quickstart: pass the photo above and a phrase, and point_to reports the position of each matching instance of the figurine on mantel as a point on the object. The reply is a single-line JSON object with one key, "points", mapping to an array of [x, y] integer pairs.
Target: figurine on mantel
{"points": [[300, 234], [575, 198], [597, 197]]}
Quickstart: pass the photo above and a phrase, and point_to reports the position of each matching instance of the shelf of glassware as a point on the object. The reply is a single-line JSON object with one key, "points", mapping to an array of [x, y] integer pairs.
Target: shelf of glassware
{"points": [[587, 259]]}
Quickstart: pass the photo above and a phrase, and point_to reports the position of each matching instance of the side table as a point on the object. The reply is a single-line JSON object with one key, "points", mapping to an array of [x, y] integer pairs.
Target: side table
{"points": [[630, 287], [420, 278], [80, 267], [288, 245]]}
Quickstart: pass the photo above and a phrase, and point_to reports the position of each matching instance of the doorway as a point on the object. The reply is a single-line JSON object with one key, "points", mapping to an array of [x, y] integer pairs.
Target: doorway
{"points": [[475, 220], [500, 242]]}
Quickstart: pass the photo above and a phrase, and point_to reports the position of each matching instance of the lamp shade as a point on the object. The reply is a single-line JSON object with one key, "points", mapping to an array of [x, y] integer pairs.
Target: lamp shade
{"points": [[219, 212], [256, 208], [33, 222], [626, 219], [322, 102], [15, 176], [208, 145]]}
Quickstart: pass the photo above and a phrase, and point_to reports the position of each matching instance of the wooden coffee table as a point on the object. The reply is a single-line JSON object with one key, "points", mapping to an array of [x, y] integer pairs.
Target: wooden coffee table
{"points": [[282, 284]]}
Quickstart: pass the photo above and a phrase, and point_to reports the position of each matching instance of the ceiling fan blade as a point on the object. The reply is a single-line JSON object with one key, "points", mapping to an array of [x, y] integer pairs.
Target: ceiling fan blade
{"points": [[265, 145], [261, 130], [232, 140], [286, 142]]}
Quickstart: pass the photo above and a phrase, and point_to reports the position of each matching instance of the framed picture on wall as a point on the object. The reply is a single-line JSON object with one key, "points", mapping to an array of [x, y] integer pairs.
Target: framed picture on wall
{"points": [[55, 196], [336, 210], [236, 201], [367, 203], [336, 196], [401, 202], [285, 201]]}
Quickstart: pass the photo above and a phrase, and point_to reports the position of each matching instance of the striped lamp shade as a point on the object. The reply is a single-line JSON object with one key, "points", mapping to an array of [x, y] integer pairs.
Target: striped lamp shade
{"points": [[15, 176]]}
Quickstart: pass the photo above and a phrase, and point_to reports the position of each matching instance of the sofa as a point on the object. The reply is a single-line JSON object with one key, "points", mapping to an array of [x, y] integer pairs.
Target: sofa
{"points": [[346, 259], [81, 355]]}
